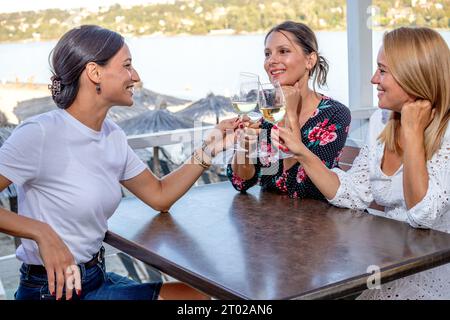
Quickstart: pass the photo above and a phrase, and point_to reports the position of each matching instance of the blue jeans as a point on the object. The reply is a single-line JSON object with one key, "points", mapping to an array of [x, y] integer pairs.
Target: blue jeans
{"points": [[96, 284]]}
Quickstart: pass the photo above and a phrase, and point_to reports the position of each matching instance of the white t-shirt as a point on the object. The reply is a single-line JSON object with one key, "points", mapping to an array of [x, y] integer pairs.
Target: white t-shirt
{"points": [[68, 176]]}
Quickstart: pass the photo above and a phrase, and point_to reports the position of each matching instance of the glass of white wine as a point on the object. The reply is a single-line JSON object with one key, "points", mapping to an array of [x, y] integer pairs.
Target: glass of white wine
{"points": [[273, 108], [246, 100]]}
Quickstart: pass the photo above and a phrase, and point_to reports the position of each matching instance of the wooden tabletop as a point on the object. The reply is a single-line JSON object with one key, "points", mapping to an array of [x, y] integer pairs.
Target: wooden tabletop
{"points": [[261, 245]]}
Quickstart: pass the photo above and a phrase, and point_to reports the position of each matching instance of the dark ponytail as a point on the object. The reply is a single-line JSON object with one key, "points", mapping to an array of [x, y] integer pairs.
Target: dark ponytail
{"points": [[320, 72], [76, 48], [307, 40]]}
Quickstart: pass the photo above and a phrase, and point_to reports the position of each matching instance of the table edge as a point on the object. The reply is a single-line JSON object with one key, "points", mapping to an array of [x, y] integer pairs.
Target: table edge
{"points": [[358, 284], [207, 286]]}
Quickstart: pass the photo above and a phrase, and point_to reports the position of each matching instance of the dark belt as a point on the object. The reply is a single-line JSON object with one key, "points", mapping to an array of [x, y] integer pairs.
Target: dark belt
{"points": [[34, 269]]}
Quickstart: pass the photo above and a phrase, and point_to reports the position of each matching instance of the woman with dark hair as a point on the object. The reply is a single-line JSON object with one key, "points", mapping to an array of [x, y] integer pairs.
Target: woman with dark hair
{"points": [[69, 165], [293, 59]]}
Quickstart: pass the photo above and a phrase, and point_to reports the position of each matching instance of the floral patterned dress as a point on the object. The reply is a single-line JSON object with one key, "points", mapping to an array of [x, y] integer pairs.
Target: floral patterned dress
{"points": [[324, 134]]}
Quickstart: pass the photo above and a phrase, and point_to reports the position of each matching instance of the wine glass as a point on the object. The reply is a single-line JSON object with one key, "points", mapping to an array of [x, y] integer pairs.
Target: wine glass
{"points": [[273, 108], [246, 99]]}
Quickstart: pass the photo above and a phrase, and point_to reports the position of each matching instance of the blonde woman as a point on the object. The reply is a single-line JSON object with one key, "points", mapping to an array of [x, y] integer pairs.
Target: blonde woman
{"points": [[406, 168]]}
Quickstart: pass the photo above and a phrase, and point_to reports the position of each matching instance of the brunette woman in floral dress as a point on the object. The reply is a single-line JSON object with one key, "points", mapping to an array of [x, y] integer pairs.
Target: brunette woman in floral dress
{"points": [[292, 58]]}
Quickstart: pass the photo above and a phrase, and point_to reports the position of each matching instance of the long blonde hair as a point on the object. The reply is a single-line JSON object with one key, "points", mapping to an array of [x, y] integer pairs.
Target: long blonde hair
{"points": [[419, 60]]}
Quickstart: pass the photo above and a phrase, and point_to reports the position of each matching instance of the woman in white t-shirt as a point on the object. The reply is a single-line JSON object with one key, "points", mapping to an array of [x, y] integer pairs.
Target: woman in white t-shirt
{"points": [[406, 168], [69, 165]]}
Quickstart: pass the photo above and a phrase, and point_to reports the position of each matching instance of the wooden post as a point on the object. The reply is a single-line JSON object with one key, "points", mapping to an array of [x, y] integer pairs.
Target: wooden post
{"points": [[359, 39]]}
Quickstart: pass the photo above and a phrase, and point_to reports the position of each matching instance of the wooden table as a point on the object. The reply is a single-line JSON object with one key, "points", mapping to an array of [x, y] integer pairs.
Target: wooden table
{"points": [[267, 246]]}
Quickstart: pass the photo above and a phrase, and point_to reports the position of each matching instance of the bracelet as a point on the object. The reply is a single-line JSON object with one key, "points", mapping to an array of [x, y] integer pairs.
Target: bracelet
{"points": [[205, 149], [200, 161]]}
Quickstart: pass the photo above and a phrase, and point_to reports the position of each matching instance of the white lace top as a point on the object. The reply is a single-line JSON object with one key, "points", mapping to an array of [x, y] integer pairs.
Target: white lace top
{"points": [[365, 182]]}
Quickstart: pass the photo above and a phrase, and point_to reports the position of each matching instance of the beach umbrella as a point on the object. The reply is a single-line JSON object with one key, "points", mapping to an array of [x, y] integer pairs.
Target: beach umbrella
{"points": [[32, 107], [144, 100], [3, 119], [152, 99], [10, 192], [5, 132], [122, 113], [29, 108], [6, 128], [209, 109], [155, 121]]}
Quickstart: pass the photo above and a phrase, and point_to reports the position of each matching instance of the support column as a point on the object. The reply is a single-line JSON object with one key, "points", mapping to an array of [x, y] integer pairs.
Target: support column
{"points": [[359, 43]]}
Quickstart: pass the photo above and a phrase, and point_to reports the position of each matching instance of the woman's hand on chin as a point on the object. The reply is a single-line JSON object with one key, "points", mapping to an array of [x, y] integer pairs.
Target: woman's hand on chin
{"points": [[416, 117]]}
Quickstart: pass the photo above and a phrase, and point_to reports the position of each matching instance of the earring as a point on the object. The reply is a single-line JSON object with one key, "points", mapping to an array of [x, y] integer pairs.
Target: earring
{"points": [[97, 88]]}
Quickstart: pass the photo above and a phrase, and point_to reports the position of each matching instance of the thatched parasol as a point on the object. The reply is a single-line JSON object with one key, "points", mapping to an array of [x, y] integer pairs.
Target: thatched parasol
{"points": [[32, 107], [10, 192], [3, 120], [144, 100], [5, 132], [209, 109], [152, 99], [155, 121], [6, 128]]}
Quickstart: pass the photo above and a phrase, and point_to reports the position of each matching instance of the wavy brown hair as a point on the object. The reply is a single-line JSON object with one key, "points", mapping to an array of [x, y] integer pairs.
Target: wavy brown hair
{"points": [[307, 40]]}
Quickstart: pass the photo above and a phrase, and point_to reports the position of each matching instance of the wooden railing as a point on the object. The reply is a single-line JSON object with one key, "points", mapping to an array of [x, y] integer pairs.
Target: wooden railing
{"points": [[164, 138]]}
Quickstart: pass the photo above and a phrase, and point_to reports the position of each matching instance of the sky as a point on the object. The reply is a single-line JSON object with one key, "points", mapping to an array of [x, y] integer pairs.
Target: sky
{"points": [[34, 5]]}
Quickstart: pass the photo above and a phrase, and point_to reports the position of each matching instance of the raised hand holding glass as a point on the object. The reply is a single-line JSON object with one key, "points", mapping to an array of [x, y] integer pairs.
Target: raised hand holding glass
{"points": [[273, 108]]}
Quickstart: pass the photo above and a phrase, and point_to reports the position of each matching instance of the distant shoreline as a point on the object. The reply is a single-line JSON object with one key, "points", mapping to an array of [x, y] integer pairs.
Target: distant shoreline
{"points": [[24, 85], [154, 35], [162, 35]]}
